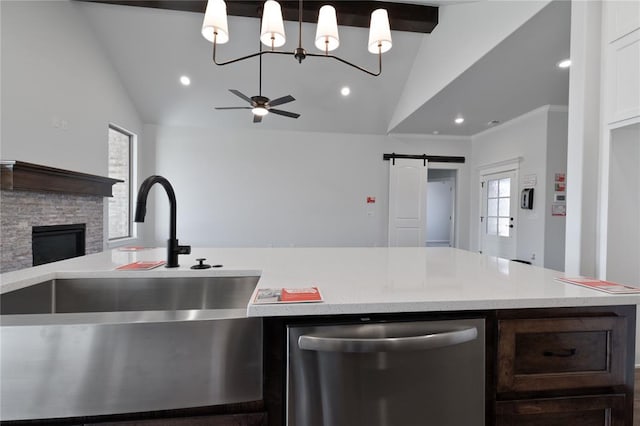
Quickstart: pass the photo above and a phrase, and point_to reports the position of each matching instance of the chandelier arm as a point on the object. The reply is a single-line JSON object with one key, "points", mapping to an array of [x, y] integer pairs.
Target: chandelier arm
{"points": [[295, 53], [375, 74], [279, 52], [252, 55]]}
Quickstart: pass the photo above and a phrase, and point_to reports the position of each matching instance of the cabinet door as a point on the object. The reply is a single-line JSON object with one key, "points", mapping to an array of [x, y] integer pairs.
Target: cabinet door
{"points": [[561, 353], [621, 76], [623, 17], [584, 411]]}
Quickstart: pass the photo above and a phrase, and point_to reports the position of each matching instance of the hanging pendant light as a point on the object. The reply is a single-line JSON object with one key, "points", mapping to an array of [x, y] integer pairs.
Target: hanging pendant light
{"points": [[272, 32], [379, 32], [214, 27], [327, 30]]}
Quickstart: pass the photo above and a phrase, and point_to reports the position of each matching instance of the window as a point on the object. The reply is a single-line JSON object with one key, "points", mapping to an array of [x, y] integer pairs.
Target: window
{"points": [[499, 207], [120, 167]]}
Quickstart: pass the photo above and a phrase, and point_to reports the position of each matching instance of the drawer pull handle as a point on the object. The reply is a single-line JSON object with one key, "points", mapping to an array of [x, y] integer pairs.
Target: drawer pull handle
{"points": [[564, 353]]}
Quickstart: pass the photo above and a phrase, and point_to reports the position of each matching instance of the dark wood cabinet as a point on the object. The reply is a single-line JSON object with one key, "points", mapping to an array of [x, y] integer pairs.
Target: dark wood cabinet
{"points": [[560, 353], [565, 366], [608, 410]]}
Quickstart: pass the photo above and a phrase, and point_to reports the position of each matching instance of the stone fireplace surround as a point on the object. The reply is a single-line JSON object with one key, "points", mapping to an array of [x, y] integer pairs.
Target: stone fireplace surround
{"points": [[33, 195]]}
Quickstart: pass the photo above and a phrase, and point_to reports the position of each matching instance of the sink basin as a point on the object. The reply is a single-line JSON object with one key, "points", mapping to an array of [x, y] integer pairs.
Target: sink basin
{"points": [[131, 294], [127, 345]]}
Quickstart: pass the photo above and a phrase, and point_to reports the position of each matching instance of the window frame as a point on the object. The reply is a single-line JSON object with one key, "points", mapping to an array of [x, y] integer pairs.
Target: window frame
{"points": [[131, 234], [498, 199]]}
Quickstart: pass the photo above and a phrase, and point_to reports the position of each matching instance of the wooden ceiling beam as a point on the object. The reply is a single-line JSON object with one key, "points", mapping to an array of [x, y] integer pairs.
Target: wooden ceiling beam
{"points": [[402, 16]]}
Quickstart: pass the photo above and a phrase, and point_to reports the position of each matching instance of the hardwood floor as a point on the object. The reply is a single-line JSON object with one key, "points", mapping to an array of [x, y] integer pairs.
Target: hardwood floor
{"points": [[636, 399]]}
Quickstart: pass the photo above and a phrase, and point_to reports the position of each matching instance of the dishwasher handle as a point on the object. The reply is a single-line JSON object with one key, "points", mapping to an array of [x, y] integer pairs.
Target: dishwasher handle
{"points": [[311, 342]]}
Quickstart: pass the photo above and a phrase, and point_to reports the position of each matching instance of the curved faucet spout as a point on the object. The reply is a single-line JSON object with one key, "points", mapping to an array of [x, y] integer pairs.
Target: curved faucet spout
{"points": [[173, 248]]}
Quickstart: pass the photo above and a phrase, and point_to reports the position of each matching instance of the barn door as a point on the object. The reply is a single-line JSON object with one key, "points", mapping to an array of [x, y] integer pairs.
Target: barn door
{"points": [[407, 202]]}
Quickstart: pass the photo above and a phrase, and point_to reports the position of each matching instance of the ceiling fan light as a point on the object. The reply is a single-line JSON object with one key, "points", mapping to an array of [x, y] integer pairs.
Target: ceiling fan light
{"points": [[272, 32], [260, 111], [379, 32], [327, 38], [215, 21]]}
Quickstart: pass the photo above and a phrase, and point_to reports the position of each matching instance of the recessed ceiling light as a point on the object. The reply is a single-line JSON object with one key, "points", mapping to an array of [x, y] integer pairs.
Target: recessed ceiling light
{"points": [[345, 91], [435, 132], [185, 81], [459, 120], [565, 63]]}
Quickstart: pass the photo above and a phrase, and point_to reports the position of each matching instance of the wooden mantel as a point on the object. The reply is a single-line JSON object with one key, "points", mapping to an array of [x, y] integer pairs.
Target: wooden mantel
{"points": [[21, 176]]}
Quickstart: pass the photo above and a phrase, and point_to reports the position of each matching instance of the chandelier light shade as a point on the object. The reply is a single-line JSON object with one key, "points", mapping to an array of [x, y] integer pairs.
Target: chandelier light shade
{"points": [[379, 32], [215, 30], [327, 31], [214, 27], [272, 32]]}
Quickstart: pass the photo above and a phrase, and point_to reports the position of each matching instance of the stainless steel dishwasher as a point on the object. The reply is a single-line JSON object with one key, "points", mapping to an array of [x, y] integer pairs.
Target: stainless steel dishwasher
{"points": [[387, 373]]}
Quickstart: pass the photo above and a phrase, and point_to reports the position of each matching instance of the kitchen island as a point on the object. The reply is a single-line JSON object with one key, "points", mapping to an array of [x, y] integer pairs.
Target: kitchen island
{"points": [[515, 301], [352, 280]]}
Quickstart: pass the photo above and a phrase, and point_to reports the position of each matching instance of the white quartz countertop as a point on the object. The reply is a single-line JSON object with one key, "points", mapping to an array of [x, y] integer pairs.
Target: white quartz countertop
{"points": [[352, 280]]}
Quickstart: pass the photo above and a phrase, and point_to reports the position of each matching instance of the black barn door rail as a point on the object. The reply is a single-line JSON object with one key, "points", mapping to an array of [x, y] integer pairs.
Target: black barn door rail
{"points": [[425, 157]]}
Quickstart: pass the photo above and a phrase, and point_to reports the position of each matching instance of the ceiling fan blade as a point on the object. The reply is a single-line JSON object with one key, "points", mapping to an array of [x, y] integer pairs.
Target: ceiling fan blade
{"points": [[282, 100], [257, 118], [240, 94], [232, 107], [285, 113]]}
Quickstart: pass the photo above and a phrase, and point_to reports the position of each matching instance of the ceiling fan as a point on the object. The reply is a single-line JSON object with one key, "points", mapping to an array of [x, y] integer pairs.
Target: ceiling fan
{"points": [[261, 105]]}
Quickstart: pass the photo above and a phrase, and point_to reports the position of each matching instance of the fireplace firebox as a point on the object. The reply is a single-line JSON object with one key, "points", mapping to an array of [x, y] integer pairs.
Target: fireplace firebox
{"points": [[57, 242]]}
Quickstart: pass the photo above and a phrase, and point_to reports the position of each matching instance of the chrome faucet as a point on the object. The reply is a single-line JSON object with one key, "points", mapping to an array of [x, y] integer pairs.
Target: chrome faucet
{"points": [[173, 248]]}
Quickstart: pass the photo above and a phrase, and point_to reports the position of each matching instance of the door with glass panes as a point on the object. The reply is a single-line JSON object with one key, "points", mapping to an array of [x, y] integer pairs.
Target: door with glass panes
{"points": [[497, 220]]}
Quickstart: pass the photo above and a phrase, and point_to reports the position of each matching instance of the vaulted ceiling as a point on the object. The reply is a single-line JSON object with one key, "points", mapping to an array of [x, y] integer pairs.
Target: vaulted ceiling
{"points": [[151, 48]]}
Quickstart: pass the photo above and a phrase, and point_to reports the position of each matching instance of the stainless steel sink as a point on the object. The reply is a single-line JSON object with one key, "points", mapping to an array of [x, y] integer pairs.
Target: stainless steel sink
{"points": [[83, 347], [131, 294]]}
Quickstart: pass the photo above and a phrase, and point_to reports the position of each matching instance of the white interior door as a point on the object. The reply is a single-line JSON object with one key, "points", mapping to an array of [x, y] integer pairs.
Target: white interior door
{"points": [[407, 202], [498, 221]]}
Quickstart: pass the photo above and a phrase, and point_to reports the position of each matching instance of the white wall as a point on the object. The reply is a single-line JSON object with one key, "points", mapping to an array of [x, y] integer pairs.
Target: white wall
{"points": [[59, 90], [524, 138], [465, 33], [556, 162], [272, 188], [583, 141], [54, 75]]}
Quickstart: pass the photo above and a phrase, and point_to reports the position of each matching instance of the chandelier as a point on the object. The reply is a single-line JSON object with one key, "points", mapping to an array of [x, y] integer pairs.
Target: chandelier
{"points": [[215, 30]]}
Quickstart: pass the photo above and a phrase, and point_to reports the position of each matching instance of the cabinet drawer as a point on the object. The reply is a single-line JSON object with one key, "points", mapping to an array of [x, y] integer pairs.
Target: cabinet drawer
{"points": [[563, 353], [607, 410]]}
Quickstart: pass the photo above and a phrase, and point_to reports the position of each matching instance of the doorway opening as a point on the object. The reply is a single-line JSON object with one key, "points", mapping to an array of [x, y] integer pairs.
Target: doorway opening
{"points": [[441, 195]]}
